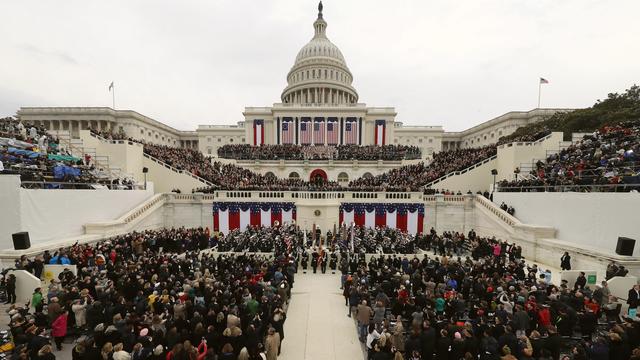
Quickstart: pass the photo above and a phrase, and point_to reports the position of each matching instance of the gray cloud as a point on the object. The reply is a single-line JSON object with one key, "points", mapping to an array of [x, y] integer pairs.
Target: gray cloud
{"points": [[453, 63], [47, 55]]}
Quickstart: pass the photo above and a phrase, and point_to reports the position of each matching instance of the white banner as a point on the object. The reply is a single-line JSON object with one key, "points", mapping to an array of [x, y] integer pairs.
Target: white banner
{"points": [[391, 219], [245, 219], [412, 222], [370, 219], [265, 218], [223, 221], [287, 216], [347, 217], [379, 135], [258, 134]]}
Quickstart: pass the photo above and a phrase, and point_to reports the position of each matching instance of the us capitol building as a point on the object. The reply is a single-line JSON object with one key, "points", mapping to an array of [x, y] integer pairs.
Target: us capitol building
{"points": [[319, 106]]}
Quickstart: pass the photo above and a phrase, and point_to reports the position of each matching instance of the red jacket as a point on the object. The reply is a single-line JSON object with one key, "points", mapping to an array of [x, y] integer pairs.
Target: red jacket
{"points": [[544, 317], [59, 326]]}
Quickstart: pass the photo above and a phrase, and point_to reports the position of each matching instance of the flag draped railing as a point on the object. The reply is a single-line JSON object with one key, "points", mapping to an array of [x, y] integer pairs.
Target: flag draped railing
{"points": [[228, 216], [406, 217]]}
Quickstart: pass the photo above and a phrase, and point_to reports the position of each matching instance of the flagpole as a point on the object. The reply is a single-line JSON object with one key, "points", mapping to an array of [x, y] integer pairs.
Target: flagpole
{"points": [[113, 96], [539, 92]]}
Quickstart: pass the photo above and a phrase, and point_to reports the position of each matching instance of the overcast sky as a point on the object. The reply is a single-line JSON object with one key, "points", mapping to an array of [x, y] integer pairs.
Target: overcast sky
{"points": [[450, 63]]}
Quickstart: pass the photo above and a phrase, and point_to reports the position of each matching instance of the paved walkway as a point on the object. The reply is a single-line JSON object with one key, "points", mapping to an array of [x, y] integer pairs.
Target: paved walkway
{"points": [[317, 325]]}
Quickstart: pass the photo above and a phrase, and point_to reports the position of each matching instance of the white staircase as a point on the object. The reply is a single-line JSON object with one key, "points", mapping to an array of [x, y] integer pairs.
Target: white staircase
{"points": [[76, 148]]}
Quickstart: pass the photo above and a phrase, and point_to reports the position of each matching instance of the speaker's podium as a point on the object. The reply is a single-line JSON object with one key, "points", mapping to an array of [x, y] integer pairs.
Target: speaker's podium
{"points": [[625, 246], [21, 240]]}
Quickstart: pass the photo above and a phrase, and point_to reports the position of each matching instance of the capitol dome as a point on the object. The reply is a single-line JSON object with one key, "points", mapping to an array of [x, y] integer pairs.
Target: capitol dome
{"points": [[320, 75], [320, 46]]}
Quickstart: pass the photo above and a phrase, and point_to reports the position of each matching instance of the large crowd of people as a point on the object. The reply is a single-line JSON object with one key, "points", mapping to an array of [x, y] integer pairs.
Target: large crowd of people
{"points": [[40, 160], [489, 305], [110, 134], [160, 294], [606, 157], [319, 152], [155, 295], [414, 177]]}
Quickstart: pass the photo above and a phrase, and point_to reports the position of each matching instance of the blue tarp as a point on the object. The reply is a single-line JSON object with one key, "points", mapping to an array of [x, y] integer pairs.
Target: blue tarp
{"points": [[60, 171], [28, 153]]}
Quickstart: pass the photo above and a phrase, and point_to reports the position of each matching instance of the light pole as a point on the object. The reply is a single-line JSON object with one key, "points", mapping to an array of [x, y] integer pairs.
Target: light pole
{"points": [[494, 172]]}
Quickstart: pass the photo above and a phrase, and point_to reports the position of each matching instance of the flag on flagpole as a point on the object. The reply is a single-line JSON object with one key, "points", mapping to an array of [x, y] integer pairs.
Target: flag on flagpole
{"points": [[544, 81], [111, 86]]}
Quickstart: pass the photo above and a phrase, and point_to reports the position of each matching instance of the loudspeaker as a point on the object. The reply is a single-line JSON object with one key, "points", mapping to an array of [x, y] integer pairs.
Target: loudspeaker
{"points": [[21, 240], [625, 246], [145, 170]]}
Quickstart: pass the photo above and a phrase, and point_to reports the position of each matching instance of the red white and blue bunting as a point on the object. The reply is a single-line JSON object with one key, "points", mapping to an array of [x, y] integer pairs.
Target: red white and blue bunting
{"points": [[405, 217], [229, 216], [380, 132], [258, 132]]}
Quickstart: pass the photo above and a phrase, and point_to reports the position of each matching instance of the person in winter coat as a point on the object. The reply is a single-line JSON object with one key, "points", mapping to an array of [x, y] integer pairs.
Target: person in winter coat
{"points": [[565, 261], [397, 338], [59, 329], [158, 353], [119, 353], [37, 300], [10, 285], [443, 346], [378, 313], [272, 344], [80, 312], [45, 353]]}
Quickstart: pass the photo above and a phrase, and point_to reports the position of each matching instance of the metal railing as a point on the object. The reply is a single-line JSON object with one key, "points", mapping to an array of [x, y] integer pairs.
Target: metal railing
{"points": [[463, 171], [571, 188], [185, 172], [59, 185]]}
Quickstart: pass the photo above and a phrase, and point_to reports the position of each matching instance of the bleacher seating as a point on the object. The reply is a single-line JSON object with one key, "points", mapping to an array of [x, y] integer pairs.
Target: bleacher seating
{"points": [[319, 152], [606, 158], [41, 162]]}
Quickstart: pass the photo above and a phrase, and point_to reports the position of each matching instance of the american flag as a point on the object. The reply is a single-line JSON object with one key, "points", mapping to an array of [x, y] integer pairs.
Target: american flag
{"points": [[351, 132], [288, 133], [333, 132], [318, 132], [305, 132]]}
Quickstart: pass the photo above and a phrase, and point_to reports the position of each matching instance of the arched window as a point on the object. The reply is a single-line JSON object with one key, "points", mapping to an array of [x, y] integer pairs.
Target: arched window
{"points": [[269, 174], [294, 175], [367, 175], [343, 177]]}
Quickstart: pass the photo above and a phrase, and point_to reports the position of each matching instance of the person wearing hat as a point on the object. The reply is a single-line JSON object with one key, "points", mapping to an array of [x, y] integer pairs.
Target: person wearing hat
{"points": [[53, 309], [79, 309]]}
